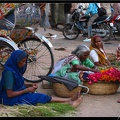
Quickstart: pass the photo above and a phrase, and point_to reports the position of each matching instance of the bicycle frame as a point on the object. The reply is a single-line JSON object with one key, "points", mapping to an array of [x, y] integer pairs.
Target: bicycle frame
{"points": [[11, 43], [40, 36]]}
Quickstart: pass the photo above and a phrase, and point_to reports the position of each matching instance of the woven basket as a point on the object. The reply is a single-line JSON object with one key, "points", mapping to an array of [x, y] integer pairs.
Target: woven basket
{"points": [[60, 90], [102, 88]]}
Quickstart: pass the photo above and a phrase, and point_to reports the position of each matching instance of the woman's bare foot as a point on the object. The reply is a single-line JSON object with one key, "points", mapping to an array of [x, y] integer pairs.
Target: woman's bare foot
{"points": [[77, 102], [76, 96]]}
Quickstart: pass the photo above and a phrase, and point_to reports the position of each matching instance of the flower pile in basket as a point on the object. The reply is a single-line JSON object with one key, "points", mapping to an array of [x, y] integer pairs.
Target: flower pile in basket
{"points": [[107, 75]]}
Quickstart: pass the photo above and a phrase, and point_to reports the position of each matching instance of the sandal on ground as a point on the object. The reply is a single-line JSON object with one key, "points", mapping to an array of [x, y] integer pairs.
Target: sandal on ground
{"points": [[118, 101]]}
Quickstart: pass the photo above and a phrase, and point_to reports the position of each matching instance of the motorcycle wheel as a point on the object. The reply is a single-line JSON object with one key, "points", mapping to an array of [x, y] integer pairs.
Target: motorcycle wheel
{"points": [[104, 30], [70, 33], [40, 59]]}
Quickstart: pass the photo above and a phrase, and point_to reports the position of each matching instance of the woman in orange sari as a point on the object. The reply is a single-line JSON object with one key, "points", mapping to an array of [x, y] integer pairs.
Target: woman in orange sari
{"points": [[97, 52]]}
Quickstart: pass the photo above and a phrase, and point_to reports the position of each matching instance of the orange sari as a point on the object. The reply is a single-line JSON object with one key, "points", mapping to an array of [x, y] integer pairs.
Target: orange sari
{"points": [[101, 53], [102, 58]]}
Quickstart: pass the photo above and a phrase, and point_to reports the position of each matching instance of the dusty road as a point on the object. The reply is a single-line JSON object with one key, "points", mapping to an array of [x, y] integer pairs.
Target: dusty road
{"points": [[93, 105]]}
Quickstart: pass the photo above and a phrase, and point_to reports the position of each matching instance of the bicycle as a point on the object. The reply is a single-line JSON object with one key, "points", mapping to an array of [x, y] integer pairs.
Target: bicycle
{"points": [[23, 36]]}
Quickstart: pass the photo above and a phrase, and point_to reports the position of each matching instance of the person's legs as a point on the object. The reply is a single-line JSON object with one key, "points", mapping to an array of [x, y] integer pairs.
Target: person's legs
{"points": [[74, 101], [79, 26], [89, 32], [54, 15], [42, 24], [59, 99], [47, 24], [90, 22]]}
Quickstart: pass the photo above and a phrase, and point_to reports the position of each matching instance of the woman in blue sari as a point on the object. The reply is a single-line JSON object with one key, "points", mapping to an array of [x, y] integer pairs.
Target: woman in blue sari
{"points": [[13, 91]]}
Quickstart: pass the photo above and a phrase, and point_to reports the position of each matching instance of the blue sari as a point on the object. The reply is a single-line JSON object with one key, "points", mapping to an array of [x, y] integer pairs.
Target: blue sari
{"points": [[27, 98]]}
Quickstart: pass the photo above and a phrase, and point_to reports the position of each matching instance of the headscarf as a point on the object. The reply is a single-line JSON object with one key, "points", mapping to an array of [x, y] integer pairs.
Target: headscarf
{"points": [[101, 55], [12, 62], [93, 40], [80, 50], [74, 55], [12, 65]]}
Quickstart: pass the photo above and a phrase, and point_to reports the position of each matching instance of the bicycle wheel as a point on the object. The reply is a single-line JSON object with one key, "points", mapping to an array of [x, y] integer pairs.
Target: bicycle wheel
{"points": [[5, 51], [40, 60]]}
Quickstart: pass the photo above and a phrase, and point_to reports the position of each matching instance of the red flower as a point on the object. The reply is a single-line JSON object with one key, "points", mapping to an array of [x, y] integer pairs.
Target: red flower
{"points": [[107, 75]]}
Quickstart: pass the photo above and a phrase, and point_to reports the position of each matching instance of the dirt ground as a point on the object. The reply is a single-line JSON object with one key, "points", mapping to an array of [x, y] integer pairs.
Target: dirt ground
{"points": [[92, 105]]}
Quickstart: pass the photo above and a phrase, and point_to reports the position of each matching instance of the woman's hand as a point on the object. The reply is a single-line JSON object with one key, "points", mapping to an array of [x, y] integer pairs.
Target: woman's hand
{"points": [[35, 86], [109, 63], [94, 70], [31, 85], [32, 89]]}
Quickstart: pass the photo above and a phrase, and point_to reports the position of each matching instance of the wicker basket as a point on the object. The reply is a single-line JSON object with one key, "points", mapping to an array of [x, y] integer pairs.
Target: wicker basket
{"points": [[102, 88], [60, 90]]}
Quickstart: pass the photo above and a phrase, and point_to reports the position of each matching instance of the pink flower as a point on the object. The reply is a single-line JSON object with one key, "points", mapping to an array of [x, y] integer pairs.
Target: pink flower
{"points": [[108, 75]]}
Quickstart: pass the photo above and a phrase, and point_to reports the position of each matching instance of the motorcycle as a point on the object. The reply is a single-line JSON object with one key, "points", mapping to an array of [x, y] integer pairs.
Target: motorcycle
{"points": [[116, 22], [21, 25], [114, 25], [114, 28], [79, 24]]}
